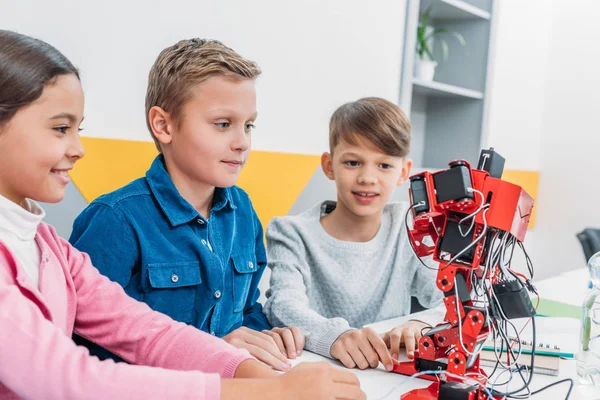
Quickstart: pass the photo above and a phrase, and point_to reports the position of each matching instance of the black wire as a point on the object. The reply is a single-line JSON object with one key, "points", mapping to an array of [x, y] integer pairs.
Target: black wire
{"points": [[547, 387], [501, 348], [529, 262], [425, 327], [410, 237], [525, 383]]}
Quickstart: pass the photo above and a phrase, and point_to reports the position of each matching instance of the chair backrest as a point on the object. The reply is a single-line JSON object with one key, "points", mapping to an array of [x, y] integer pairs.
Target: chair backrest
{"points": [[589, 239]]}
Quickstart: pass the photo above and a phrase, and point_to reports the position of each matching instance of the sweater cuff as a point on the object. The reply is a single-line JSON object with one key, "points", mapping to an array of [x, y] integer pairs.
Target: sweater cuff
{"points": [[233, 364], [320, 342]]}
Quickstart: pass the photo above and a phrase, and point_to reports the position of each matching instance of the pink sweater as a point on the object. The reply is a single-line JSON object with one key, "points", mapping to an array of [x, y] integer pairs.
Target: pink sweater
{"points": [[38, 359]]}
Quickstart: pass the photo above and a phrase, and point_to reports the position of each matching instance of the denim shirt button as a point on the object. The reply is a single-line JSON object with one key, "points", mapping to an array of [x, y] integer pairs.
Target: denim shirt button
{"points": [[250, 265], [212, 333], [174, 278], [217, 294], [203, 242], [199, 220]]}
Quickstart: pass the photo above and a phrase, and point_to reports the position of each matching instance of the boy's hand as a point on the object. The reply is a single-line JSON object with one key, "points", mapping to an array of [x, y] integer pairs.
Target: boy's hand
{"points": [[260, 345], [362, 348], [315, 381], [289, 340], [408, 333]]}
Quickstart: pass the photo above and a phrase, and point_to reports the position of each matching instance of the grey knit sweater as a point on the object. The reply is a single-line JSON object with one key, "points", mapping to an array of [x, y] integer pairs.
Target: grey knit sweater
{"points": [[327, 286]]}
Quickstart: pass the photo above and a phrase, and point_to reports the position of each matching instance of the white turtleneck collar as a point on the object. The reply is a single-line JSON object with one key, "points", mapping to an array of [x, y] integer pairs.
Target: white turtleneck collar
{"points": [[20, 222]]}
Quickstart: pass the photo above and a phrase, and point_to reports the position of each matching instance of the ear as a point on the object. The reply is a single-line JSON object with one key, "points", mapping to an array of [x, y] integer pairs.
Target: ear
{"points": [[327, 165], [406, 166], [161, 125]]}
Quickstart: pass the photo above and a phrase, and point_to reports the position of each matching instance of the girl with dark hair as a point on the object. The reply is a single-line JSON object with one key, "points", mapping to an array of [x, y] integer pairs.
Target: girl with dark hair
{"points": [[48, 289]]}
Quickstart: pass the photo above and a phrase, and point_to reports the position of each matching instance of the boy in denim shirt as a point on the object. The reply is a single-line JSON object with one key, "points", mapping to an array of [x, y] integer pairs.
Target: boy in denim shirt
{"points": [[183, 239]]}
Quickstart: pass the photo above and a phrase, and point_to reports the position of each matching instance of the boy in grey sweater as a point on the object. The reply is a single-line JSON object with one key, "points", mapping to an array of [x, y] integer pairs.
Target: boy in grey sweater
{"points": [[341, 265]]}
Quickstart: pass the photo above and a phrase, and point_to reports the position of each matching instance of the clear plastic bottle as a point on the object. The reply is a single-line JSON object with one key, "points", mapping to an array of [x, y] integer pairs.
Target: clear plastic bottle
{"points": [[588, 357]]}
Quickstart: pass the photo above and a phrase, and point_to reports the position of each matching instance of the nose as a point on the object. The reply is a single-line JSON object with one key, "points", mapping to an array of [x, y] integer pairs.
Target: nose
{"points": [[367, 176], [241, 140], [75, 150]]}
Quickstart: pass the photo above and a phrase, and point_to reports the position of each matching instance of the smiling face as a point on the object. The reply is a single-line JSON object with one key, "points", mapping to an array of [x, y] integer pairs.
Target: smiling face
{"points": [[40, 143], [365, 177]]}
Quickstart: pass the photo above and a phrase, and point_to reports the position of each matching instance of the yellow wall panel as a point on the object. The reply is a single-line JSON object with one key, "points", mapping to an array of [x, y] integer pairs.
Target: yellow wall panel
{"points": [[528, 180], [273, 180], [109, 164]]}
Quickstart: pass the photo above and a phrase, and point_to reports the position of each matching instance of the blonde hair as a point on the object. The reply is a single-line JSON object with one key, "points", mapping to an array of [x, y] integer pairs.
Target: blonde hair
{"points": [[179, 68], [377, 120]]}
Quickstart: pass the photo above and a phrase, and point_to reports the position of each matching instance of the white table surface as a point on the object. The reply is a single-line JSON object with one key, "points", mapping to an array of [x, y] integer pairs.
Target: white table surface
{"points": [[569, 287]]}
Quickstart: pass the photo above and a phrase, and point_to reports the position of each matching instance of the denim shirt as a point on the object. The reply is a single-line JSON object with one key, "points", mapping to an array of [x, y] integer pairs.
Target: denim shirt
{"points": [[149, 239]]}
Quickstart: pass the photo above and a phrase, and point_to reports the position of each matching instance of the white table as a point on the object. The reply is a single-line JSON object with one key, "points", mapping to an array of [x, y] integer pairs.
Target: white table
{"points": [[379, 384]]}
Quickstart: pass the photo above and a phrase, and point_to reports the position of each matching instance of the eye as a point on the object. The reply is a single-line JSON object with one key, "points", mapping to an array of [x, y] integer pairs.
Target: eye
{"points": [[223, 125], [249, 127], [61, 129], [352, 163], [385, 166]]}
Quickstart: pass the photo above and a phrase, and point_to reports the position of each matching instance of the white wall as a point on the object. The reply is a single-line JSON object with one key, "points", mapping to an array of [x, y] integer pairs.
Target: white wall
{"points": [[315, 55], [569, 186], [517, 83], [543, 116], [517, 90]]}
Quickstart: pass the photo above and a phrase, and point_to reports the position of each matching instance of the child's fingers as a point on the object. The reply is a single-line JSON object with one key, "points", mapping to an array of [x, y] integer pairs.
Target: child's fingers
{"points": [[275, 336], [298, 339], [386, 339], [267, 358], [348, 392], [369, 353], [347, 377], [265, 342], [358, 356], [382, 351], [395, 336], [288, 341], [346, 359], [409, 343]]}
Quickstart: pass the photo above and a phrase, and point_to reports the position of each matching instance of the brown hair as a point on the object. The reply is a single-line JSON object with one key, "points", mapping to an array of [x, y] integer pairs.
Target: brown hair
{"points": [[180, 67], [377, 120], [27, 65]]}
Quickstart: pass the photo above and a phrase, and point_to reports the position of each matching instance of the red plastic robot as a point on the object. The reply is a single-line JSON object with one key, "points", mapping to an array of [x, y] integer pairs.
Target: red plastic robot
{"points": [[460, 214]]}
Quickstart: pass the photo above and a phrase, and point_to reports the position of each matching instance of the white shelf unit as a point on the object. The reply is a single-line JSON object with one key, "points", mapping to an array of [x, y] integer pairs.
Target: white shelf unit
{"points": [[438, 89], [457, 9], [448, 113]]}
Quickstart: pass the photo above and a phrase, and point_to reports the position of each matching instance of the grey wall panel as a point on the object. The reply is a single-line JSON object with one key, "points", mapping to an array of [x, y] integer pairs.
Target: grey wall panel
{"points": [[61, 215], [453, 131]]}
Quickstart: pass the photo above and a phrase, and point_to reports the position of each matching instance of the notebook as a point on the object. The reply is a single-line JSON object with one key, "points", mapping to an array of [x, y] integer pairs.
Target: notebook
{"points": [[555, 337]]}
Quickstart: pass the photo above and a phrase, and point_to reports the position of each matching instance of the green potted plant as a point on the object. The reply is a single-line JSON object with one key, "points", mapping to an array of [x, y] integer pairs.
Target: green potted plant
{"points": [[425, 65]]}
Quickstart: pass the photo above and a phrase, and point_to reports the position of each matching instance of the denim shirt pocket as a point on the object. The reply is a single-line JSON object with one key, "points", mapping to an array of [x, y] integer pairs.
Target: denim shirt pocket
{"points": [[173, 288], [244, 265]]}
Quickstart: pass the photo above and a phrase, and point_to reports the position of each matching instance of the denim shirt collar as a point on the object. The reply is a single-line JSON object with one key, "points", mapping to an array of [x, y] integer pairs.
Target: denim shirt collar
{"points": [[177, 209]]}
